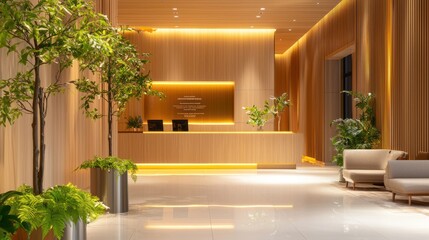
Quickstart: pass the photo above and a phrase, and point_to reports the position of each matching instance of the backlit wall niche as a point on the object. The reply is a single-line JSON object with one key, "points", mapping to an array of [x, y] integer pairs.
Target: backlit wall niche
{"points": [[197, 101]]}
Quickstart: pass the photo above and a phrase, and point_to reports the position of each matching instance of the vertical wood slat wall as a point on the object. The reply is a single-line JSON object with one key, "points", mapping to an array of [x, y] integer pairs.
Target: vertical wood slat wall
{"points": [[391, 43], [410, 88], [305, 67], [372, 59]]}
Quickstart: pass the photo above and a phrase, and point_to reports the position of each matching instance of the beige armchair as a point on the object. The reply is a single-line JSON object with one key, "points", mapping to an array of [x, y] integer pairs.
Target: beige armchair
{"points": [[409, 178], [367, 165]]}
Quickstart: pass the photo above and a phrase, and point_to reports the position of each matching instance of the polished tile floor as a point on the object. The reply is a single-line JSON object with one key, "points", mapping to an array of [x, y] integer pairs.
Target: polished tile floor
{"points": [[306, 203]]}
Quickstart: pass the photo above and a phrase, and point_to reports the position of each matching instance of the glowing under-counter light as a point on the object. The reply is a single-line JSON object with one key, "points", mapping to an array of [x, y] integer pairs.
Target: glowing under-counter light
{"points": [[216, 205], [189, 227]]}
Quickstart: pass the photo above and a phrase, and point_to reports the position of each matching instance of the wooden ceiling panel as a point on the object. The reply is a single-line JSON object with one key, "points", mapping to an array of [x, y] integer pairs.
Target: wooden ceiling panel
{"points": [[297, 15]]}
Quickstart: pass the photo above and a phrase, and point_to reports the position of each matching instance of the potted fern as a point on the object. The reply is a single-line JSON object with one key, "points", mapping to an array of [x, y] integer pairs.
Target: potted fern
{"points": [[135, 123], [111, 177], [56, 209]]}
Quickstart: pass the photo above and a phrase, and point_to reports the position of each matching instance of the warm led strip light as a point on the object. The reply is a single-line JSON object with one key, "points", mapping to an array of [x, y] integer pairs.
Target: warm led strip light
{"points": [[175, 83], [150, 166], [216, 205], [190, 227], [216, 30]]}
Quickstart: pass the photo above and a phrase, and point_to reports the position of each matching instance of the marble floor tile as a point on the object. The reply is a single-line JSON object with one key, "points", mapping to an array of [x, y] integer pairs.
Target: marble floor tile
{"points": [[303, 204]]}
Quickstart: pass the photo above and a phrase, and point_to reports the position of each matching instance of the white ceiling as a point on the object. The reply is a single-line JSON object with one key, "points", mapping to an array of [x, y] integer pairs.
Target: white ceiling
{"points": [[291, 18]]}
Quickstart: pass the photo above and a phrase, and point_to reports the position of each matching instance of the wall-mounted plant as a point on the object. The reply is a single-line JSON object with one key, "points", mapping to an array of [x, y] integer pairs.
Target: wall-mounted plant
{"points": [[356, 133], [135, 122]]}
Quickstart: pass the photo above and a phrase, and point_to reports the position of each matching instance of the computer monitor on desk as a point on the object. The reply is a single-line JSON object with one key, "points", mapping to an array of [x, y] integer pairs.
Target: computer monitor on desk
{"points": [[180, 125], [155, 125]]}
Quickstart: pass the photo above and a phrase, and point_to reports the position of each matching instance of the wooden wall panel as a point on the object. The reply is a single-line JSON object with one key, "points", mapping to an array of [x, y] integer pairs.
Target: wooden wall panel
{"points": [[243, 56], [209, 147], [281, 85], [304, 71], [339, 27], [410, 101], [312, 57], [287, 80], [373, 39]]}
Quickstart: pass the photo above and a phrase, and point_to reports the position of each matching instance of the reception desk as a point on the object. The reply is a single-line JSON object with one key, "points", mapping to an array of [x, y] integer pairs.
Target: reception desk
{"points": [[211, 147]]}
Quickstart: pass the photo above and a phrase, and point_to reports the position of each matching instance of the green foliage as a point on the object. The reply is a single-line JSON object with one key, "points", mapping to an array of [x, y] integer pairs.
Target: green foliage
{"points": [[356, 133], [278, 104], [9, 223], [108, 163], [135, 122], [257, 117], [46, 32], [52, 209], [121, 70]]}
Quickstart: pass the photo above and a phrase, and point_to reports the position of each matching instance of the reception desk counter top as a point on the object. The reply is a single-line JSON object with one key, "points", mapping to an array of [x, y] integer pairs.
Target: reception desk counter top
{"points": [[211, 147]]}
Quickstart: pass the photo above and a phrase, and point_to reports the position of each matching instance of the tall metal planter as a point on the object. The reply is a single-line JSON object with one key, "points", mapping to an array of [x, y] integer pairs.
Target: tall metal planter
{"points": [[111, 188], [75, 231]]}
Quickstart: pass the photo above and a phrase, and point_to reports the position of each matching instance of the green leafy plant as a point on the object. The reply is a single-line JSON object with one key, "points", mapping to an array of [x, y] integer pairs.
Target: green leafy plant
{"points": [[257, 117], [356, 133], [135, 122], [41, 33], [9, 223], [122, 78], [109, 163], [277, 106], [52, 209]]}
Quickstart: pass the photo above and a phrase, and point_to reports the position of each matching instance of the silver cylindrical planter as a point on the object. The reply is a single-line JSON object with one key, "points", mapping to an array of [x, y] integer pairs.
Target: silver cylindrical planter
{"points": [[75, 231], [111, 188]]}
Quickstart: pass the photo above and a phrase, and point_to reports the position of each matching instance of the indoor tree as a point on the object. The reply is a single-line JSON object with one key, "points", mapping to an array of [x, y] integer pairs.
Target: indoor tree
{"points": [[45, 32], [122, 78]]}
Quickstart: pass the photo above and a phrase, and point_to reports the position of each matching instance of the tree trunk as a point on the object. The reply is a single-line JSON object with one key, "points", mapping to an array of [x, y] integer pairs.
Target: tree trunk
{"points": [[42, 139], [35, 125], [110, 108]]}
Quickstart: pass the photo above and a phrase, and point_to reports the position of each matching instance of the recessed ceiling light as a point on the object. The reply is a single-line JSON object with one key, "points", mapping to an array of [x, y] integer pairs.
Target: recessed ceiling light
{"points": [[174, 9], [258, 16], [262, 9], [176, 16], [251, 26], [294, 20], [317, 3], [290, 29], [281, 39], [176, 26]]}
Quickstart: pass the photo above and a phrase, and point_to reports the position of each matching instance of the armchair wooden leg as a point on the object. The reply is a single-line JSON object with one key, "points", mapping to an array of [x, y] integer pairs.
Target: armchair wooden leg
{"points": [[393, 196], [347, 184], [354, 186], [409, 200]]}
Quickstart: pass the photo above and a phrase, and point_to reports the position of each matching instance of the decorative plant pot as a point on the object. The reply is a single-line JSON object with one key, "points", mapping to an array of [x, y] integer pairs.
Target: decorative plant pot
{"points": [[341, 177], [111, 188], [21, 234], [75, 231]]}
